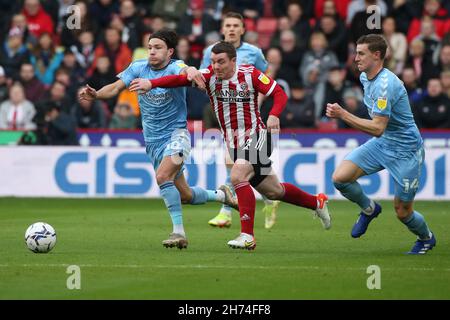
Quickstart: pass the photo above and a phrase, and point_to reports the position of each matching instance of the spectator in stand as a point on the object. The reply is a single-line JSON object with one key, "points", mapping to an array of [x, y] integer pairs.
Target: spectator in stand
{"points": [[56, 127], [291, 57], [280, 7], [158, 23], [38, 20], [300, 109], [335, 8], [439, 16], [46, 58], [88, 23], [409, 78], [3, 85], [183, 52], [445, 81], [353, 103], [433, 111], [118, 53], [249, 9], [103, 74], [34, 89], [444, 58], [17, 112], [195, 24], [361, 19], [103, 10], [429, 37], [19, 21], [76, 72], [404, 12], [283, 24], [133, 26], [89, 114], [334, 88], [171, 10], [56, 95], [211, 38], [123, 118], [299, 24], [336, 35], [315, 66], [275, 60], [423, 65], [398, 46], [13, 53], [84, 49]]}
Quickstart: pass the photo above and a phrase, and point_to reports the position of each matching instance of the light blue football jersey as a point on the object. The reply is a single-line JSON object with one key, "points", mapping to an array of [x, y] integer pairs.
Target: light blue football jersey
{"points": [[246, 54], [385, 95], [163, 110]]}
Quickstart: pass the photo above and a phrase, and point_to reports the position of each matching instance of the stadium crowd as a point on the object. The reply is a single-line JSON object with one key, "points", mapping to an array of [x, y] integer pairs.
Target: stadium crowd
{"points": [[46, 56]]}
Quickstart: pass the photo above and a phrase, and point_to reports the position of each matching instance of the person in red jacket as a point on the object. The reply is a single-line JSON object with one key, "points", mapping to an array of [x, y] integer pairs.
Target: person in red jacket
{"points": [[118, 53], [439, 15], [38, 20], [233, 92]]}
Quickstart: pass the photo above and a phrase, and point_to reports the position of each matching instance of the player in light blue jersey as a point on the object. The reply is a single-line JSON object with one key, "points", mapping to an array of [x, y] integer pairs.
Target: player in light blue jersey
{"points": [[164, 122], [396, 146], [233, 30]]}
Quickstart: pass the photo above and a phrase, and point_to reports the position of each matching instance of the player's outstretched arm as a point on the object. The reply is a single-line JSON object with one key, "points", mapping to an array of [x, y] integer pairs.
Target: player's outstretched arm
{"points": [[172, 81], [374, 127], [106, 92]]}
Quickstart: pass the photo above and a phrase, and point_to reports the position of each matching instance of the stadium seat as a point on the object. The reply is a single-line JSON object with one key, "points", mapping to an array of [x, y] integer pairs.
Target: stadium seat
{"points": [[266, 27]]}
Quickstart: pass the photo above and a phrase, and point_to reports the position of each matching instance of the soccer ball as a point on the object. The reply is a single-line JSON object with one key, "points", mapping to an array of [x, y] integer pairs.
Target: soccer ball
{"points": [[40, 237]]}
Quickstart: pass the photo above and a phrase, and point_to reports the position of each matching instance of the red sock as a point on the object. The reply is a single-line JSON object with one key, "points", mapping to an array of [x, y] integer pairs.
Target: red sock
{"points": [[296, 196], [247, 204]]}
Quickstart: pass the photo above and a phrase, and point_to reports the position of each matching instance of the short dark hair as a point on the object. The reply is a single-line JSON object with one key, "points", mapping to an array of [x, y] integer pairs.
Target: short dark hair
{"points": [[170, 37], [236, 15], [375, 42], [224, 47]]}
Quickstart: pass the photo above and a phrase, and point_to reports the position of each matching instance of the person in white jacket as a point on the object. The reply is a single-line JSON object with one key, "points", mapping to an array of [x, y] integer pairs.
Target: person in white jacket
{"points": [[17, 113]]}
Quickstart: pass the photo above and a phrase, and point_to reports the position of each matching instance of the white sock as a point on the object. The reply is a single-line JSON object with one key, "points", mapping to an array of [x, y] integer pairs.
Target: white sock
{"points": [[369, 210], [179, 228], [226, 211]]}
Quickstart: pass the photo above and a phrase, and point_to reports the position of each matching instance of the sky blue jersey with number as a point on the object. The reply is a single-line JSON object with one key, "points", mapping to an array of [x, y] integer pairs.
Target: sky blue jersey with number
{"points": [[163, 110], [385, 95], [246, 54]]}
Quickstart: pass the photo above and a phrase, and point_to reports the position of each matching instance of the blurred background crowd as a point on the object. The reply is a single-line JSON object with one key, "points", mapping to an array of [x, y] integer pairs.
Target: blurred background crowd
{"points": [[309, 45]]}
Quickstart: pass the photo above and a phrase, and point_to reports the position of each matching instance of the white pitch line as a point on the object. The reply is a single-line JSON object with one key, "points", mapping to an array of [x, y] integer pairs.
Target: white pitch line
{"points": [[200, 266]]}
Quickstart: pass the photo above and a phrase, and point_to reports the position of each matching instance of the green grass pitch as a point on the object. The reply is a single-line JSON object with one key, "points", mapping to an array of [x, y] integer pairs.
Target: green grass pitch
{"points": [[117, 245]]}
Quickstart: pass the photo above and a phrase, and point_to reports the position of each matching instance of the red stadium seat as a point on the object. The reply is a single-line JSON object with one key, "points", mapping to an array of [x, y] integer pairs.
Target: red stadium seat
{"points": [[266, 27]]}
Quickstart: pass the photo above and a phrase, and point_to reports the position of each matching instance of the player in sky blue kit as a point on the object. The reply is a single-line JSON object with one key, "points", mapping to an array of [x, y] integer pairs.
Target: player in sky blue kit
{"points": [[164, 122], [397, 145], [233, 30]]}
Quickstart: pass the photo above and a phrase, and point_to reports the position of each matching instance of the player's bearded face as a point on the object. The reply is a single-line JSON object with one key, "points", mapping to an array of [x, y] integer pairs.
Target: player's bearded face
{"points": [[158, 53]]}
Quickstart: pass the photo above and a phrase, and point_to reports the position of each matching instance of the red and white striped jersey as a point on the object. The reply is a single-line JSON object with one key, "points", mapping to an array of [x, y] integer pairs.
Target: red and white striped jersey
{"points": [[235, 102]]}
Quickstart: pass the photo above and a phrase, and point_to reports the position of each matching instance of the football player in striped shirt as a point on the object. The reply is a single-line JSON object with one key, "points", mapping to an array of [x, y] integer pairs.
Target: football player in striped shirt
{"points": [[233, 91]]}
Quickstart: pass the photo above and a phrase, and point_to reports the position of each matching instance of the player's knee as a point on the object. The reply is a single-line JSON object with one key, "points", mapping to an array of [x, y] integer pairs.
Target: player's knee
{"points": [[403, 210], [274, 194], [162, 177], [338, 179], [236, 178], [339, 185]]}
